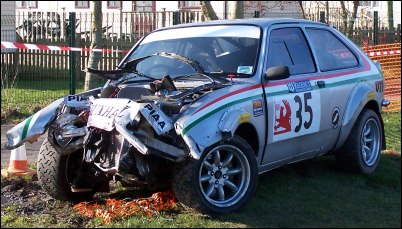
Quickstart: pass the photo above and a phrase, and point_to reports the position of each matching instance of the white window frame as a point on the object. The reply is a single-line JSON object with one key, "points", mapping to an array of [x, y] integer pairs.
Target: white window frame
{"points": [[82, 4], [189, 4], [113, 4], [27, 4]]}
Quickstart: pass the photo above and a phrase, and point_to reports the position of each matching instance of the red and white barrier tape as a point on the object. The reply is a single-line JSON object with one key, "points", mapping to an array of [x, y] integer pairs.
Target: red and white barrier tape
{"points": [[16, 45], [383, 53]]}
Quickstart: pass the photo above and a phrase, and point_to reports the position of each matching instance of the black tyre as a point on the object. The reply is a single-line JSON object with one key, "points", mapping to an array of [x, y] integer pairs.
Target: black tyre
{"points": [[361, 151], [56, 172], [222, 180]]}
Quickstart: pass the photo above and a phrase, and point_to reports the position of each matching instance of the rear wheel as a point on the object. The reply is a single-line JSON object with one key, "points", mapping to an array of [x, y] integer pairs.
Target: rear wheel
{"points": [[222, 180], [56, 173], [361, 151]]}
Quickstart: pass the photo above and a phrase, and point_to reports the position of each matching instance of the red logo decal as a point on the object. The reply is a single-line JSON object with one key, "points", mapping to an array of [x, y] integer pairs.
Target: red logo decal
{"points": [[282, 118]]}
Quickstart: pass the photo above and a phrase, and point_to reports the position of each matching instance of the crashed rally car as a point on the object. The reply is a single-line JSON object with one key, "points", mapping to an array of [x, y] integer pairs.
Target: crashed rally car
{"points": [[205, 108]]}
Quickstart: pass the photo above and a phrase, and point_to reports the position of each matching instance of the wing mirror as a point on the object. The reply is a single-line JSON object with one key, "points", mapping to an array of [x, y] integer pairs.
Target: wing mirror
{"points": [[277, 73]]}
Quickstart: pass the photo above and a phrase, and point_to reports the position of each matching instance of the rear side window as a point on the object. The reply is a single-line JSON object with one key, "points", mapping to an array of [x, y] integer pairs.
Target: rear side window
{"points": [[288, 47], [331, 53]]}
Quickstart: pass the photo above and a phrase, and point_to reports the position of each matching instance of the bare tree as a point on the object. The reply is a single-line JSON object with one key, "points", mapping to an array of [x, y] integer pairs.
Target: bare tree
{"points": [[208, 11], [237, 11], [266, 8], [344, 16], [302, 9], [348, 30], [354, 17], [96, 43]]}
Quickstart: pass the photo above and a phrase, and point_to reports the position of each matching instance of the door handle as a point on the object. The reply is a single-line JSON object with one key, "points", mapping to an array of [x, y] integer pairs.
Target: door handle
{"points": [[320, 83]]}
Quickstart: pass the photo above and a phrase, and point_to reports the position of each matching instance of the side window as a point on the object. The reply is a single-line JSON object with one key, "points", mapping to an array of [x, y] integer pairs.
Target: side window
{"points": [[331, 53], [288, 47]]}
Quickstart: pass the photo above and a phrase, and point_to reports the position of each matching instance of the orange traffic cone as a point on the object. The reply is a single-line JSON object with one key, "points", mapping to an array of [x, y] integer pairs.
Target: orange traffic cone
{"points": [[18, 163]]}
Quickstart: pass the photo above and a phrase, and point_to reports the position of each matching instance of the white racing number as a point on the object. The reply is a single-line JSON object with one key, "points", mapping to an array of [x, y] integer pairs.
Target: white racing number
{"points": [[296, 115]]}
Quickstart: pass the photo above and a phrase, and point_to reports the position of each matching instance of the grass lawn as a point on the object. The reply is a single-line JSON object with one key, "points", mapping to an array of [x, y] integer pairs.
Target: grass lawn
{"points": [[30, 96], [313, 193]]}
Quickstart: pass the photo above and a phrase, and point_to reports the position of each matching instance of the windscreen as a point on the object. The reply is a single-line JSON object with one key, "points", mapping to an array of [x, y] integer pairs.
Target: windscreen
{"points": [[229, 49]]}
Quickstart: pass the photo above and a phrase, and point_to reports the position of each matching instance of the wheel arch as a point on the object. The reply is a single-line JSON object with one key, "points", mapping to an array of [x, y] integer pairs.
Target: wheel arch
{"points": [[363, 96], [346, 129], [248, 132], [373, 105]]}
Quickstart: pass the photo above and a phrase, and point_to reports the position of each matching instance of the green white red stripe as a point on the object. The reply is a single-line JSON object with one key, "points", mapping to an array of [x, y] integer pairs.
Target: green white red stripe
{"points": [[276, 88]]}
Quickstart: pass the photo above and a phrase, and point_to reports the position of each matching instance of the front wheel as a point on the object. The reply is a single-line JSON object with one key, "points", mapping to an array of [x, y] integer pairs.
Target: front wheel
{"points": [[361, 151], [56, 173], [222, 180]]}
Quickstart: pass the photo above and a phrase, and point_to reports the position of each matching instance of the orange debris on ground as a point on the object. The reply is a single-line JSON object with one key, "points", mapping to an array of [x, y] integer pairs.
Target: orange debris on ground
{"points": [[116, 209], [392, 152]]}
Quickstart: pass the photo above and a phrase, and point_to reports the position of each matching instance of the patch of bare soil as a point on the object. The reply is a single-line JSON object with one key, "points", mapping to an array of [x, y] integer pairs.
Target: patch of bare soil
{"points": [[29, 199]]}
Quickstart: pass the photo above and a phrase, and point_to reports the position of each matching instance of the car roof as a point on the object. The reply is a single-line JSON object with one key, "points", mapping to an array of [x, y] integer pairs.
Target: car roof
{"points": [[262, 22]]}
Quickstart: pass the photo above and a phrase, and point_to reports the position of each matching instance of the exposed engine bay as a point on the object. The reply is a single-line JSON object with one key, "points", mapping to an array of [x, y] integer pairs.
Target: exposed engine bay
{"points": [[127, 131]]}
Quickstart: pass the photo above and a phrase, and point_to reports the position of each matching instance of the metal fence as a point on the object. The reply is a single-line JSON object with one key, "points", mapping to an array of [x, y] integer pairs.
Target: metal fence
{"points": [[31, 77], [125, 26]]}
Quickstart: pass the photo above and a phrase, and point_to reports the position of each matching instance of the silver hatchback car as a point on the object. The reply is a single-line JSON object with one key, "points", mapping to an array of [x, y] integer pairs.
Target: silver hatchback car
{"points": [[207, 107]]}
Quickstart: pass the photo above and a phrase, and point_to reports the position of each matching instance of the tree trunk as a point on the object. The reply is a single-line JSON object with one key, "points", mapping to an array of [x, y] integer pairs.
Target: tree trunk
{"points": [[354, 16], [302, 9], [344, 17], [96, 43], [237, 10], [208, 11]]}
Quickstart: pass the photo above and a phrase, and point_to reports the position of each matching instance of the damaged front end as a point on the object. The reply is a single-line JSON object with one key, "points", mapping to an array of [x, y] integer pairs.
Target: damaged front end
{"points": [[33, 127], [130, 130], [139, 139], [132, 137]]}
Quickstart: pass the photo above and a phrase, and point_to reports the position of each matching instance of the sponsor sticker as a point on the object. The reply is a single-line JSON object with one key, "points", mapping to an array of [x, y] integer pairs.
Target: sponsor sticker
{"points": [[104, 111], [371, 95], [76, 101], [257, 107], [283, 111], [379, 86], [299, 86], [335, 117], [245, 69], [244, 118], [159, 120]]}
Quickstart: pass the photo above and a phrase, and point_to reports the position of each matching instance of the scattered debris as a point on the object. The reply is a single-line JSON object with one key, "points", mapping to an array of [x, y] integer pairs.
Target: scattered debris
{"points": [[116, 209], [29, 199]]}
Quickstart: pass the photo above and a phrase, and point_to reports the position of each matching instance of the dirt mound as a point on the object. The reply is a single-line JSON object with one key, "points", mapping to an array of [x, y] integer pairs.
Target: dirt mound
{"points": [[24, 196]]}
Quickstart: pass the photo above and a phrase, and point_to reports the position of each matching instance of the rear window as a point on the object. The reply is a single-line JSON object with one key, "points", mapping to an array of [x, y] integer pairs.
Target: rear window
{"points": [[331, 53]]}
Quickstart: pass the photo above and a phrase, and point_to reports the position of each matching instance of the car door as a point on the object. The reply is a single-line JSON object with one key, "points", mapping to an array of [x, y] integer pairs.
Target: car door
{"points": [[339, 70], [294, 103]]}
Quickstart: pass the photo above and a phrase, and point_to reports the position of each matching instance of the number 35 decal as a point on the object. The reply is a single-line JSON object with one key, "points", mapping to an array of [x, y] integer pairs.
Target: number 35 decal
{"points": [[296, 115], [307, 108]]}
